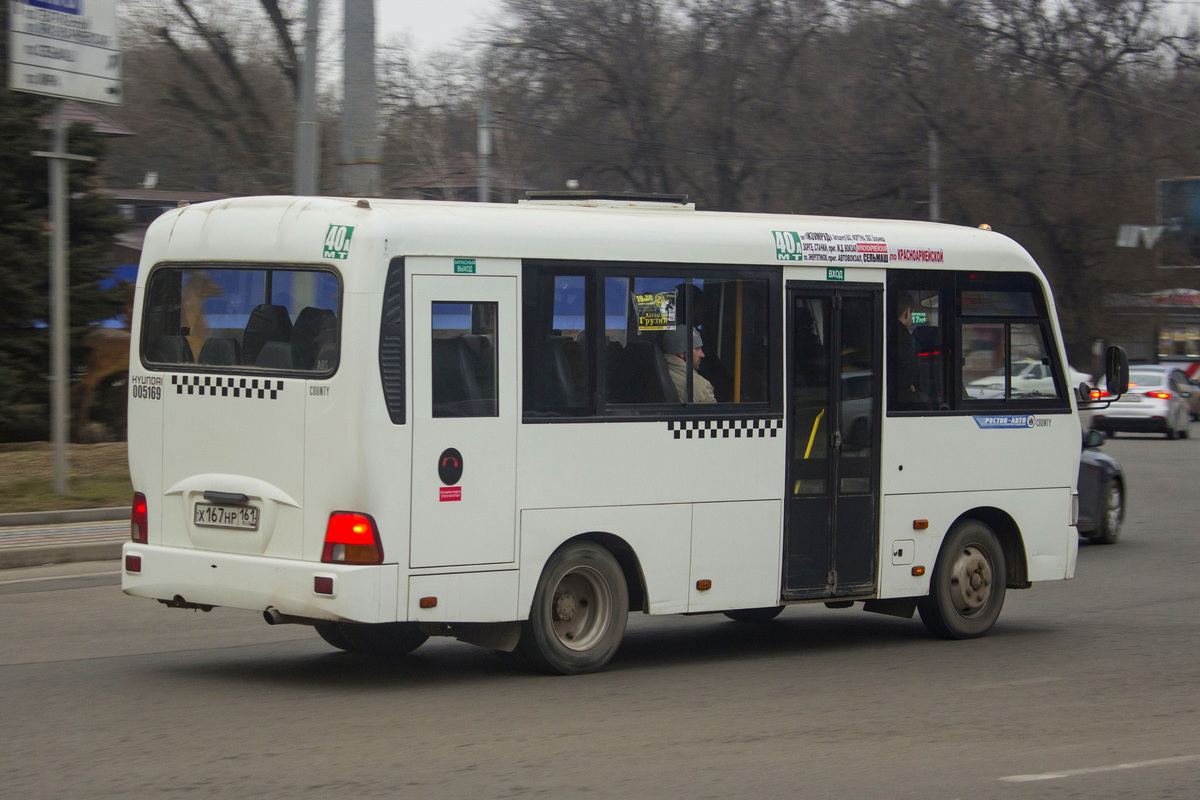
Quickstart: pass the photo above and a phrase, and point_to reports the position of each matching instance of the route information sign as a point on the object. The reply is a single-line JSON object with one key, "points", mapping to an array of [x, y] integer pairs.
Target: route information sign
{"points": [[65, 48]]}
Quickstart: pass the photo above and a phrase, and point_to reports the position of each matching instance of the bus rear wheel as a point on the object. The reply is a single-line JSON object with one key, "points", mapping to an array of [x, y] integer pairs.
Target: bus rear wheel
{"points": [[966, 592], [384, 639], [579, 611]]}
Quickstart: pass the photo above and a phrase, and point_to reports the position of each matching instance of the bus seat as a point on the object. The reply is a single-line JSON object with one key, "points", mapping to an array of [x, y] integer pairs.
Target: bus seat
{"points": [[220, 350], [314, 328], [455, 387], [649, 378], [326, 359], [616, 375], [267, 323], [276, 355], [171, 350], [481, 361], [560, 374]]}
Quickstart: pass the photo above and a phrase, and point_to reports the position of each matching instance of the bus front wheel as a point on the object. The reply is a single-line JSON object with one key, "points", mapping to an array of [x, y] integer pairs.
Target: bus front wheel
{"points": [[966, 592], [579, 611]]}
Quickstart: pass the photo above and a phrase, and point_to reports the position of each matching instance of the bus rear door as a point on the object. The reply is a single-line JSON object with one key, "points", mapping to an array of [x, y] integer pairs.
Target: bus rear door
{"points": [[464, 421]]}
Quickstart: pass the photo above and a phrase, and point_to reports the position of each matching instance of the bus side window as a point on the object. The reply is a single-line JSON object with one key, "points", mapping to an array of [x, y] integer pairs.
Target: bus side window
{"points": [[463, 383], [556, 348], [916, 350]]}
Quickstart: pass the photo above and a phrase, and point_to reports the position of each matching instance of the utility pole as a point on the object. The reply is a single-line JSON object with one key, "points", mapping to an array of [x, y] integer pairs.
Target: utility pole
{"points": [[60, 344], [360, 143], [306, 178], [485, 151], [935, 194]]}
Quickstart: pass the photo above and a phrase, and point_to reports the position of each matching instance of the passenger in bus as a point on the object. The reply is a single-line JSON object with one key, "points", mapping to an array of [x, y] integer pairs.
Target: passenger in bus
{"points": [[693, 312], [676, 346], [902, 354]]}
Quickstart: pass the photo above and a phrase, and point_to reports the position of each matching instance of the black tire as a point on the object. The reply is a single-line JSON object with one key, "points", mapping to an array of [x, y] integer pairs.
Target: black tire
{"points": [[1170, 431], [755, 616], [331, 632], [579, 612], [383, 639], [1113, 513], [966, 591]]}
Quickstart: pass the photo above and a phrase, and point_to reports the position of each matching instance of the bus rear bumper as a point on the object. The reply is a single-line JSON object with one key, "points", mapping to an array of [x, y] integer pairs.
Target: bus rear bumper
{"points": [[204, 578]]}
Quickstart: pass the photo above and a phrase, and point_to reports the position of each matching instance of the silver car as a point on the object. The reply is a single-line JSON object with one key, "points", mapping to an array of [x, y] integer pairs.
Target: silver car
{"points": [[1157, 402]]}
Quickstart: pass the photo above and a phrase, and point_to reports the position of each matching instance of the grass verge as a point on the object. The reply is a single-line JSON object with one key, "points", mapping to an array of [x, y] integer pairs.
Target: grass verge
{"points": [[87, 491], [97, 477]]}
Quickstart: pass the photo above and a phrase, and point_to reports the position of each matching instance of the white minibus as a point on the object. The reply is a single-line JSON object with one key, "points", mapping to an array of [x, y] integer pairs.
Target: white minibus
{"points": [[515, 424]]}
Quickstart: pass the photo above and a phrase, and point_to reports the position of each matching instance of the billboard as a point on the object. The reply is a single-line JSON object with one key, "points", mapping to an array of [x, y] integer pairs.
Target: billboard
{"points": [[1179, 214], [65, 48]]}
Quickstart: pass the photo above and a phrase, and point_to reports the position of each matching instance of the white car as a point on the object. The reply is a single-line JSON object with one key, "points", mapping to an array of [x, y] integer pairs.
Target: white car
{"points": [[1029, 378], [1157, 402]]}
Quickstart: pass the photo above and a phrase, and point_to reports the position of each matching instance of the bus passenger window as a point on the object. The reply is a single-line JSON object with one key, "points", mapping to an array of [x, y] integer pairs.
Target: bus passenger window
{"points": [[915, 350], [602, 338], [464, 360], [687, 340], [556, 350]]}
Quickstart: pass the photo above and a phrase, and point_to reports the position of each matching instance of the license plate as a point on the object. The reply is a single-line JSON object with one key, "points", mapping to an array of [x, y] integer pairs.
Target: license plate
{"points": [[1130, 398], [242, 518]]}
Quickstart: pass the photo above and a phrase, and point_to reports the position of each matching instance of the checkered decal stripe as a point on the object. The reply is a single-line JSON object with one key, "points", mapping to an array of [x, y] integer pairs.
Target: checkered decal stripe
{"points": [[725, 428], [213, 386]]}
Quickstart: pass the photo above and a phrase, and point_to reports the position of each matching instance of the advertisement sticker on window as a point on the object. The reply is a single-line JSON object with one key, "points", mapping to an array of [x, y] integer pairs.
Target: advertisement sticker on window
{"points": [[656, 311]]}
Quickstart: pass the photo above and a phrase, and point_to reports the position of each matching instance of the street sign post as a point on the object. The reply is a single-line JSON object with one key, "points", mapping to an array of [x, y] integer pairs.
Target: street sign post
{"points": [[65, 49]]}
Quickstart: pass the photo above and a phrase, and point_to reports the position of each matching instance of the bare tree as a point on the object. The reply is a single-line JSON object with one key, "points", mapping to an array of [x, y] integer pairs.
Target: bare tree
{"points": [[211, 86]]}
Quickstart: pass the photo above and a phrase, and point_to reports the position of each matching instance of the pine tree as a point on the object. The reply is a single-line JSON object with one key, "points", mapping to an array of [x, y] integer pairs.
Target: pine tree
{"points": [[25, 257]]}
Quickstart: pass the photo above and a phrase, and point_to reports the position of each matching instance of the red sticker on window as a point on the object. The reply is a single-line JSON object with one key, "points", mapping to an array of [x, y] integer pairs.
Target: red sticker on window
{"points": [[450, 494]]}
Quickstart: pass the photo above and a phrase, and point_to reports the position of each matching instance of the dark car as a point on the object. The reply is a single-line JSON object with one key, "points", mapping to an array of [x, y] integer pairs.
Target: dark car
{"points": [[1101, 492]]}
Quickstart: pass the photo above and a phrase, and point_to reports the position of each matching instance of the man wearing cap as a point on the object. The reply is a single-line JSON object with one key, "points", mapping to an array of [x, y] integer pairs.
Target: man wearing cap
{"points": [[676, 346]]}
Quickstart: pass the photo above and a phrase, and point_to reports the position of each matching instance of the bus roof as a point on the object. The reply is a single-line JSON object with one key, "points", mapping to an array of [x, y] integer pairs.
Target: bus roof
{"points": [[294, 230]]}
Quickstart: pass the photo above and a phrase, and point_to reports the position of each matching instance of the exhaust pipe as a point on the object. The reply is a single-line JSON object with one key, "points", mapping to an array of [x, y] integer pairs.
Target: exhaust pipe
{"points": [[274, 616]]}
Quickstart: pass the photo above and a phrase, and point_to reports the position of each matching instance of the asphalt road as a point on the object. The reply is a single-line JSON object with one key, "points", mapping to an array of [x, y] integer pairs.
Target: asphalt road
{"points": [[1086, 689]]}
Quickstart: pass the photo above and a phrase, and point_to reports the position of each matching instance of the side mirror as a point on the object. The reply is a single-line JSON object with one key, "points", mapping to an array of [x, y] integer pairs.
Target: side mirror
{"points": [[1083, 393], [1093, 439], [1116, 370]]}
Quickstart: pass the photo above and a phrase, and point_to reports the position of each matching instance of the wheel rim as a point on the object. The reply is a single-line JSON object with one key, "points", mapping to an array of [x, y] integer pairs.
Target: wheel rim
{"points": [[1113, 509], [581, 608], [971, 581]]}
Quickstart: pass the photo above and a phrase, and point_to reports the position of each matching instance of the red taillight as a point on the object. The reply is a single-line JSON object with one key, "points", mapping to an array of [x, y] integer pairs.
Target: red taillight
{"points": [[1159, 395], [351, 538], [133, 564], [1098, 394], [138, 531]]}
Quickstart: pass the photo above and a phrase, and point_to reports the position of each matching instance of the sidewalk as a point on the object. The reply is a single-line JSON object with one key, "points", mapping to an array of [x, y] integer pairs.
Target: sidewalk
{"points": [[57, 537]]}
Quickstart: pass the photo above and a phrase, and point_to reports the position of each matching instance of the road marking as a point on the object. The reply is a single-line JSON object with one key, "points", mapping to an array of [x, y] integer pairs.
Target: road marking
{"points": [[1070, 773], [61, 577], [1023, 682]]}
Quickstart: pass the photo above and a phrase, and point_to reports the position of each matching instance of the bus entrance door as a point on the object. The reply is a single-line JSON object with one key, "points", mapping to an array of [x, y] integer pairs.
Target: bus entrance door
{"points": [[464, 342], [833, 421]]}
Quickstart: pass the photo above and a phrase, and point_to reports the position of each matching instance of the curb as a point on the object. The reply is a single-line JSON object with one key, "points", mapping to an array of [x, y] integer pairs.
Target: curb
{"points": [[63, 517], [44, 555]]}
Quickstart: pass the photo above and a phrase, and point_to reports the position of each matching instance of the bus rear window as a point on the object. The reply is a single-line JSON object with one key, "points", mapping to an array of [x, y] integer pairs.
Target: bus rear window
{"points": [[234, 319]]}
